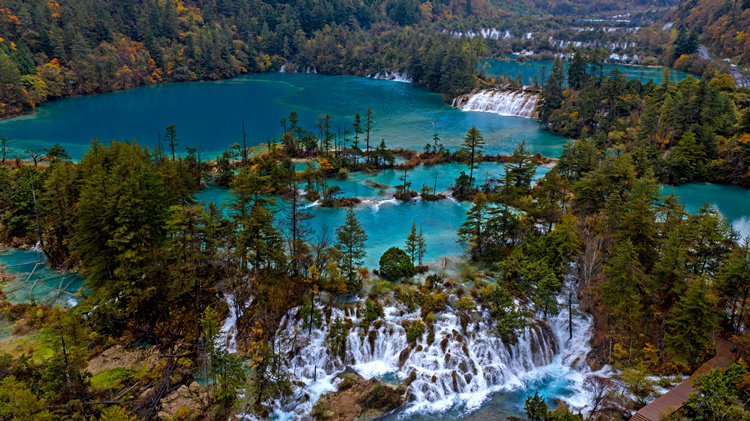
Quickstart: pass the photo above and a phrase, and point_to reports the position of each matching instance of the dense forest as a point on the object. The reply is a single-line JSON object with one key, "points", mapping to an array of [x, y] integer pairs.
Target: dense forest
{"points": [[163, 270], [723, 26], [693, 130], [659, 282], [55, 49], [50, 50]]}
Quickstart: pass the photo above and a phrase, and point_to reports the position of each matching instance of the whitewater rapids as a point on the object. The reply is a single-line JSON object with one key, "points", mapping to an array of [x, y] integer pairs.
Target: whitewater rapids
{"points": [[517, 103], [455, 369]]}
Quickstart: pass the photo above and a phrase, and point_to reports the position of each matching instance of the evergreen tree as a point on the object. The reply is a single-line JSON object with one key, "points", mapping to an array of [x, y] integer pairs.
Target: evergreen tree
{"points": [[350, 242], [622, 291], [577, 70], [471, 149], [472, 232], [552, 92], [691, 323], [170, 137], [421, 246], [745, 122], [412, 242], [733, 285], [4, 147]]}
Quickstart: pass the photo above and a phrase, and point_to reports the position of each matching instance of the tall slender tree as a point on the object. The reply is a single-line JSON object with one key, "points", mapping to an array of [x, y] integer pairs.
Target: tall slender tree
{"points": [[350, 242], [471, 149], [171, 138]]}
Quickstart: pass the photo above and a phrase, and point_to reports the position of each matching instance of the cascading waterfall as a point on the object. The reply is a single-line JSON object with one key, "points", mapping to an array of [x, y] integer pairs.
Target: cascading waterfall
{"points": [[458, 367], [392, 76], [517, 103]]}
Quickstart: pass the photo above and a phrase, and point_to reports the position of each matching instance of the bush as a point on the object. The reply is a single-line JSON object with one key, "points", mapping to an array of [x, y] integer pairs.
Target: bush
{"points": [[337, 335], [395, 264], [414, 331], [373, 311]]}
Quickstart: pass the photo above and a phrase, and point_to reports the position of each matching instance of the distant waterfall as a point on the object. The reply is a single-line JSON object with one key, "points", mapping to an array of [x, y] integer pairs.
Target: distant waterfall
{"points": [[456, 366], [393, 76], [517, 103]]}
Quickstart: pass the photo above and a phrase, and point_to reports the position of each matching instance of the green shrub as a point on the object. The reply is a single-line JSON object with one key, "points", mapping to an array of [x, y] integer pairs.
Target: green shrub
{"points": [[337, 337], [395, 264], [414, 331], [373, 311]]}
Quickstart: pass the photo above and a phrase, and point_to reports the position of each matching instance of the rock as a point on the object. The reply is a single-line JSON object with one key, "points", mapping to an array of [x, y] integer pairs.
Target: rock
{"points": [[186, 400], [364, 400], [120, 357]]}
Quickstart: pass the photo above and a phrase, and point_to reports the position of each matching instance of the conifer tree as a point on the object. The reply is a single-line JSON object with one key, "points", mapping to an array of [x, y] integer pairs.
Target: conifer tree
{"points": [[412, 242], [350, 242], [471, 149], [171, 138], [691, 323], [472, 232], [421, 245]]}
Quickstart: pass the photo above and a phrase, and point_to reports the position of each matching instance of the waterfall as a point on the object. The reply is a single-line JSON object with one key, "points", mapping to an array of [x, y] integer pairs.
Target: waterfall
{"points": [[393, 76], [456, 367], [517, 103]]}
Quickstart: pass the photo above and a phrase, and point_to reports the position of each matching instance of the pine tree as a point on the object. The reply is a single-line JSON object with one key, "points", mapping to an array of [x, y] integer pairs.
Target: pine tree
{"points": [[691, 323], [577, 71], [521, 169], [421, 245], [733, 285], [471, 149], [621, 292], [472, 232], [552, 93], [171, 138], [357, 132], [412, 242], [351, 239], [4, 147]]}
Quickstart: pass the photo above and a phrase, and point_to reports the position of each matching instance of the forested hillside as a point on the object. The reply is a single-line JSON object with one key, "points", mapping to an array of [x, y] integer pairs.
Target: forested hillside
{"points": [[78, 47], [725, 26], [685, 132]]}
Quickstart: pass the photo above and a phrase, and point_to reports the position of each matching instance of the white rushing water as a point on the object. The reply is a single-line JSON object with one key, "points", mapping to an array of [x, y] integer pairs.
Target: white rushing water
{"points": [[504, 102], [458, 368], [393, 76]]}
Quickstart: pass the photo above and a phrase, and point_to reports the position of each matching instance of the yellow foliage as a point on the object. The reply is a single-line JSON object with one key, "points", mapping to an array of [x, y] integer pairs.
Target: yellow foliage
{"points": [[619, 352], [745, 139], [683, 58]]}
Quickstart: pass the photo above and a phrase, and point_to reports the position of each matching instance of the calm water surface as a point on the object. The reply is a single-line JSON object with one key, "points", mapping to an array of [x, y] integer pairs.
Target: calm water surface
{"points": [[528, 69], [209, 115]]}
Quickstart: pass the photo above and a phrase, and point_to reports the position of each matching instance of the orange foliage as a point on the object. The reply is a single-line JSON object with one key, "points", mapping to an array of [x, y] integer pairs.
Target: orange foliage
{"points": [[745, 139]]}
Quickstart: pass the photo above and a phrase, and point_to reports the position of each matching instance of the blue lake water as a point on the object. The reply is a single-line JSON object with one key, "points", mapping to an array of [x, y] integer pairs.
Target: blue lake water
{"points": [[209, 115], [34, 281], [528, 69]]}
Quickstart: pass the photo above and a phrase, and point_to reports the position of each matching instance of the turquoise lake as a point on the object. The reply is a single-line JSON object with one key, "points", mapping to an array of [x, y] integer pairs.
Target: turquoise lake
{"points": [[34, 280], [209, 115], [528, 69]]}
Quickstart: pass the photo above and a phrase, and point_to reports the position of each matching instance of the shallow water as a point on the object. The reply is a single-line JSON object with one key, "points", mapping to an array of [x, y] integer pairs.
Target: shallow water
{"points": [[387, 220], [35, 281]]}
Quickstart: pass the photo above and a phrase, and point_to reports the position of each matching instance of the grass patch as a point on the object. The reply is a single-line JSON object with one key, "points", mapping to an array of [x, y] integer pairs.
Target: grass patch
{"points": [[111, 379]]}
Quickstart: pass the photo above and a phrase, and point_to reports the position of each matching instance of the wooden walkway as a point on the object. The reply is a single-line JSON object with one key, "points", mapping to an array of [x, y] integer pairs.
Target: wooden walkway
{"points": [[673, 400]]}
